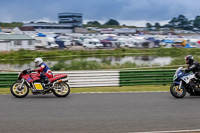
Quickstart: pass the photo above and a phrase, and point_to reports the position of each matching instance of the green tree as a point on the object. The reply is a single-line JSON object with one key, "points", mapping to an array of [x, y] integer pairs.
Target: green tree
{"points": [[182, 22], [148, 25], [166, 25], [12, 25], [96, 23], [157, 25], [190, 25], [89, 23], [197, 22], [112, 22], [173, 22], [93, 23]]}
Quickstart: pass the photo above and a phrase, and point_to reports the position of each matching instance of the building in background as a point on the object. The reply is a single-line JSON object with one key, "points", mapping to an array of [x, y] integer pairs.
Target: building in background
{"points": [[51, 27], [16, 42], [67, 23], [71, 18], [25, 30]]}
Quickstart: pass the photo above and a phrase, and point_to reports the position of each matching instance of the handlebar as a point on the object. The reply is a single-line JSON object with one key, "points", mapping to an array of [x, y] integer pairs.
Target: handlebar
{"points": [[28, 71]]}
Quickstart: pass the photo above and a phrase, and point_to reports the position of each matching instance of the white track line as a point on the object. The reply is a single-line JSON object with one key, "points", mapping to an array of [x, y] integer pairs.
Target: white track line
{"points": [[119, 92], [112, 92], [175, 131]]}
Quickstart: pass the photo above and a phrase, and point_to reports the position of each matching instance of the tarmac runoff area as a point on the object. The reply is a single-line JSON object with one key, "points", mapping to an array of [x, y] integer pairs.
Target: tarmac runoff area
{"points": [[145, 112]]}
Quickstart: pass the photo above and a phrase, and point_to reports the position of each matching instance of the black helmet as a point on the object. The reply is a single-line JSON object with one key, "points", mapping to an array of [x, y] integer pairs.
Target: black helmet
{"points": [[189, 59]]}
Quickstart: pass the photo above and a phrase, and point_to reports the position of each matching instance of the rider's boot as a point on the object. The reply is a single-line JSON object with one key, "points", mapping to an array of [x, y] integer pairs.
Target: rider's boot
{"points": [[48, 84]]}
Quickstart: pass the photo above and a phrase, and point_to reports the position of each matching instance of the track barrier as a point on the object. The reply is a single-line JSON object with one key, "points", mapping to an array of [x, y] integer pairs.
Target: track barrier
{"points": [[104, 78]]}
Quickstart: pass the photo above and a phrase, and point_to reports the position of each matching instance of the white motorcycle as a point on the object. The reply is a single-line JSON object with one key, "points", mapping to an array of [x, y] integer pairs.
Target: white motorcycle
{"points": [[184, 82]]}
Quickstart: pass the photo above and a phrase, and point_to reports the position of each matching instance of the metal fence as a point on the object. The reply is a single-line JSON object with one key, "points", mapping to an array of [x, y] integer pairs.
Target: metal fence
{"points": [[105, 78], [6, 79], [146, 77], [92, 78]]}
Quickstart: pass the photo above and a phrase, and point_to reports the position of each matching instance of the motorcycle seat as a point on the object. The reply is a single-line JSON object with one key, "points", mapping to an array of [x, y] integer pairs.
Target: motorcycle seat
{"points": [[57, 76]]}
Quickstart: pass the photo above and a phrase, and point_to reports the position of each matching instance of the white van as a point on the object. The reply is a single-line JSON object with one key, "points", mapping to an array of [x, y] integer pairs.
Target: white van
{"points": [[125, 42], [45, 42], [92, 43]]}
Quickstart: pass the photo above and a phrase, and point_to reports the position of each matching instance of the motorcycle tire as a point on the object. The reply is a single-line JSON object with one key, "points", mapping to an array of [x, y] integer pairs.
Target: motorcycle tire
{"points": [[62, 92], [177, 93], [19, 93]]}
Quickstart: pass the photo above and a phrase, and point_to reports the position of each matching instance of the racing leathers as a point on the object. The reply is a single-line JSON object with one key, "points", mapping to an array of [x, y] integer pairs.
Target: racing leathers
{"points": [[45, 73], [195, 68]]}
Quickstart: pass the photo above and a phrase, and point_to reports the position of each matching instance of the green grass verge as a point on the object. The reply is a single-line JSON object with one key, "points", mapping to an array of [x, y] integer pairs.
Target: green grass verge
{"points": [[71, 54], [22, 57], [110, 89]]}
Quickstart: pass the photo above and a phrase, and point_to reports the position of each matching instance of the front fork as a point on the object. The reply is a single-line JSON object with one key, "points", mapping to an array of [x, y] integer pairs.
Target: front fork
{"points": [[22, 82], [179, 88], [179, 84]]}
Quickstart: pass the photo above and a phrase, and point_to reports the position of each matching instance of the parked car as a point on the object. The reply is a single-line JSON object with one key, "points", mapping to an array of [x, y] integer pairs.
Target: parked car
{"points": [[92, 43], [45, 42]]}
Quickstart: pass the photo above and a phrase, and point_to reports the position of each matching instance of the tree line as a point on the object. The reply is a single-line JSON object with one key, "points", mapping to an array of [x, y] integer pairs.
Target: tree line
{"points": [[11, 25], [180, 22]]}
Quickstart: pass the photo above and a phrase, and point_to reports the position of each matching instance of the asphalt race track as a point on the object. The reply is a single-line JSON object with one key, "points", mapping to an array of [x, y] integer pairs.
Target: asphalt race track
{"points": [[99, 113]]}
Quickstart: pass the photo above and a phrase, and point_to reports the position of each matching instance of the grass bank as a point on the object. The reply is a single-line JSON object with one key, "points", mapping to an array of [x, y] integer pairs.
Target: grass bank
{"points": [[111, 89], [93, 65], [27, 54]]}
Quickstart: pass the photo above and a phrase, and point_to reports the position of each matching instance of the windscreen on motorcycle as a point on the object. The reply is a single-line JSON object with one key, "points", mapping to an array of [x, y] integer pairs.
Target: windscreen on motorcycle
{"points": [[179, 69], [178, 72]]}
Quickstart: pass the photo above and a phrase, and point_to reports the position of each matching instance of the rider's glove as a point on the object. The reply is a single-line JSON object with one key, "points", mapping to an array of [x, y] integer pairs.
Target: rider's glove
{"points": [[32, 71]]}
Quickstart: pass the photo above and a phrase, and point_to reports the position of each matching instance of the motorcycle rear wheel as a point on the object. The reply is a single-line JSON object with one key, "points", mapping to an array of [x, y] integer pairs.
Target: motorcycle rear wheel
{"points": [[174, 90], [61, 89], [19, 92]]}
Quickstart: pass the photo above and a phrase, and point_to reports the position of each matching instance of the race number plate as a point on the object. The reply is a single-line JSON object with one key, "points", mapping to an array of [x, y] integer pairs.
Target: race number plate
{"points": [[38, 86]]}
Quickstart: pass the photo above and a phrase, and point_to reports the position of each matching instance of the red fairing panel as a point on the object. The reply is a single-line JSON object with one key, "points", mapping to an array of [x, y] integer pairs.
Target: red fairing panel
{"points": [[31, 77], [35, 76], [57, 76], [27, 78]]}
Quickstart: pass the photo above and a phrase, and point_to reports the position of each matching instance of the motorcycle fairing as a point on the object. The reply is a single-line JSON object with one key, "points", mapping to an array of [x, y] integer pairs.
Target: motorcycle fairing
{"points": [[31, 77], [35, 76], [58, 76], [187, 78], [176, 82], [27, 78]]}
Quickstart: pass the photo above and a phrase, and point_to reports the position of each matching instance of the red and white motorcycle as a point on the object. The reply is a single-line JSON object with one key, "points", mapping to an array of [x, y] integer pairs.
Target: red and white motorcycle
{"points": [[31, 81]]}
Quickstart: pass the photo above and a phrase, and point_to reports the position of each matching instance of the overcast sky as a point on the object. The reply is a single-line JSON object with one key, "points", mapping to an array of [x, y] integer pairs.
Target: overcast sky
{"points": [[129, 12]]}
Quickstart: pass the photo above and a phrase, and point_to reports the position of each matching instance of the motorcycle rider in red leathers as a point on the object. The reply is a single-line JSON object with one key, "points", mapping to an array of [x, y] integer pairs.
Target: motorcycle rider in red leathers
{"points": [[43, 70]]}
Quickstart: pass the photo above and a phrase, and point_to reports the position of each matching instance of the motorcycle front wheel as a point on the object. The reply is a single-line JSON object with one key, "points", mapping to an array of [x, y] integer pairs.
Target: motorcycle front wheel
{"points": [[61, 89], [19, 92], [176, 92]]}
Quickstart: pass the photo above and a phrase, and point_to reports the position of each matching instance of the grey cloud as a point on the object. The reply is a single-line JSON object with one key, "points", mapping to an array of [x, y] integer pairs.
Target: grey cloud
{"points": [[152, 10]]}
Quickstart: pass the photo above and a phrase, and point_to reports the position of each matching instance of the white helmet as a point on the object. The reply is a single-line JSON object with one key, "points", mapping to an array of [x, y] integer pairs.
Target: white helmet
{"points": [[38, 62]]}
